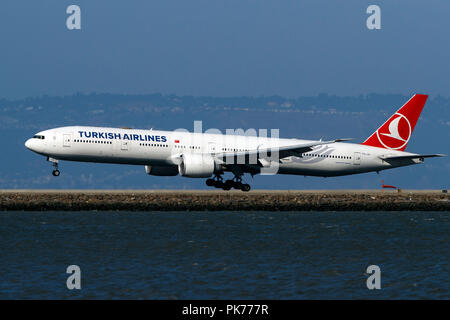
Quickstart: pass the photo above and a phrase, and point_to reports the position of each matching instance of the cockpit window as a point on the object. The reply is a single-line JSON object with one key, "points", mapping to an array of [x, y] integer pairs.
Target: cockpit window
{"points": [[39, 137]]}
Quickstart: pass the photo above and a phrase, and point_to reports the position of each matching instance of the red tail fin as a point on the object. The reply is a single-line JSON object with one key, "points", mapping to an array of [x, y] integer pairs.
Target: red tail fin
{"points": [[395, 133]]}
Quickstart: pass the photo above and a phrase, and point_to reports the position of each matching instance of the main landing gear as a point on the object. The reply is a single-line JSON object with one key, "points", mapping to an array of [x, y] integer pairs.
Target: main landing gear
{"points": [[235, 183], [54, 162]]}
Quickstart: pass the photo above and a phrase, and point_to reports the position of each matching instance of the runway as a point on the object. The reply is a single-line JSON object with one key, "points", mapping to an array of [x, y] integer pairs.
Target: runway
{"points": [[217, 200]]}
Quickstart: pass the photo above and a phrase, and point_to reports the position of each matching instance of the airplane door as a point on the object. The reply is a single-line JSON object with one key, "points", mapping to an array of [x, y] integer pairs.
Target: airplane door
{"points": [[212, 147], [124, 145], [357, 158], [66, 140]]}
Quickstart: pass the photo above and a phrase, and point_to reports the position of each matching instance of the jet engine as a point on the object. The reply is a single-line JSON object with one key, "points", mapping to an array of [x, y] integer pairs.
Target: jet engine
{"points": [[197, 165], [161, 170]]}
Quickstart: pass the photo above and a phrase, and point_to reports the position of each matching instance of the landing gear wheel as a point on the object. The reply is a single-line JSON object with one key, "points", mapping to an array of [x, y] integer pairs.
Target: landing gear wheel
{"points": [[215, 182], [238, 185], [55, 172], [218, 184], [235, 183], [229, 184]]}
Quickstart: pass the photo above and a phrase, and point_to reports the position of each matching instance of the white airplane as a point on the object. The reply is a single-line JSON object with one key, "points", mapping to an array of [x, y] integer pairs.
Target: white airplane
{"points": [[203, 155]]}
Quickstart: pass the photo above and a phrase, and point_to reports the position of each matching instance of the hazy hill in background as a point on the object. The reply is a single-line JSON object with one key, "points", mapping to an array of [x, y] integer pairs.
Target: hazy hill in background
{"points": [[314, 117]]}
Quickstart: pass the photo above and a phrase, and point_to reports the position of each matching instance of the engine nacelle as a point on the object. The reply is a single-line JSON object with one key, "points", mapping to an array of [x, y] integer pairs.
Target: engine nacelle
{"points": [[161, 171], [194, 165]]}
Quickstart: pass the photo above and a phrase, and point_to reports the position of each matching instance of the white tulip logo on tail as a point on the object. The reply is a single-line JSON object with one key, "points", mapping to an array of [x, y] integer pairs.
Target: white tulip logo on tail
{"points": [[399, 132], [395, 133]]}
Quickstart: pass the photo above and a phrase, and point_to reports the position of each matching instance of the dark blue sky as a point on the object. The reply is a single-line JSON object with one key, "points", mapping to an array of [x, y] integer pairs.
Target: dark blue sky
{"points": [[224, 47]]}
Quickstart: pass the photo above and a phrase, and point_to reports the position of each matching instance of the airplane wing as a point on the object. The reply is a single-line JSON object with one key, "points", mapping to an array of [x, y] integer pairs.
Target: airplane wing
{"points": [[284, 151], [410, 156]]}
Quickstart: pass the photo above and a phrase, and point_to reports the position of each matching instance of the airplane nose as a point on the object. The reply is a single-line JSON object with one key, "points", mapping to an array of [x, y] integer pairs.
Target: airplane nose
{"points": [[28, 144]]}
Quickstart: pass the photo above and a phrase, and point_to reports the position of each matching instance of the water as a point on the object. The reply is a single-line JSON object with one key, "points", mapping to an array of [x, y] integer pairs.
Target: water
{"points": [[222, 255]]}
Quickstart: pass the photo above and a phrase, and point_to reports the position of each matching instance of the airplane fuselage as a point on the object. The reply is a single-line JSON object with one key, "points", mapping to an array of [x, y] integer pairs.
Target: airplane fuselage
{"points": [[162, 149]]}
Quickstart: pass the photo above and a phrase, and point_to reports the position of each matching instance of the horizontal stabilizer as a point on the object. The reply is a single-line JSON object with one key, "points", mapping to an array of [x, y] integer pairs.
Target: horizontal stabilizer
{"points": [[411, 156], [343, 139]]}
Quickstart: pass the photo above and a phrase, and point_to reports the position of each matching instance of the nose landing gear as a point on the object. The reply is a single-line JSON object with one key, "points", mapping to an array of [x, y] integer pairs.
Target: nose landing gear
{"points": [[54, 162]]}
